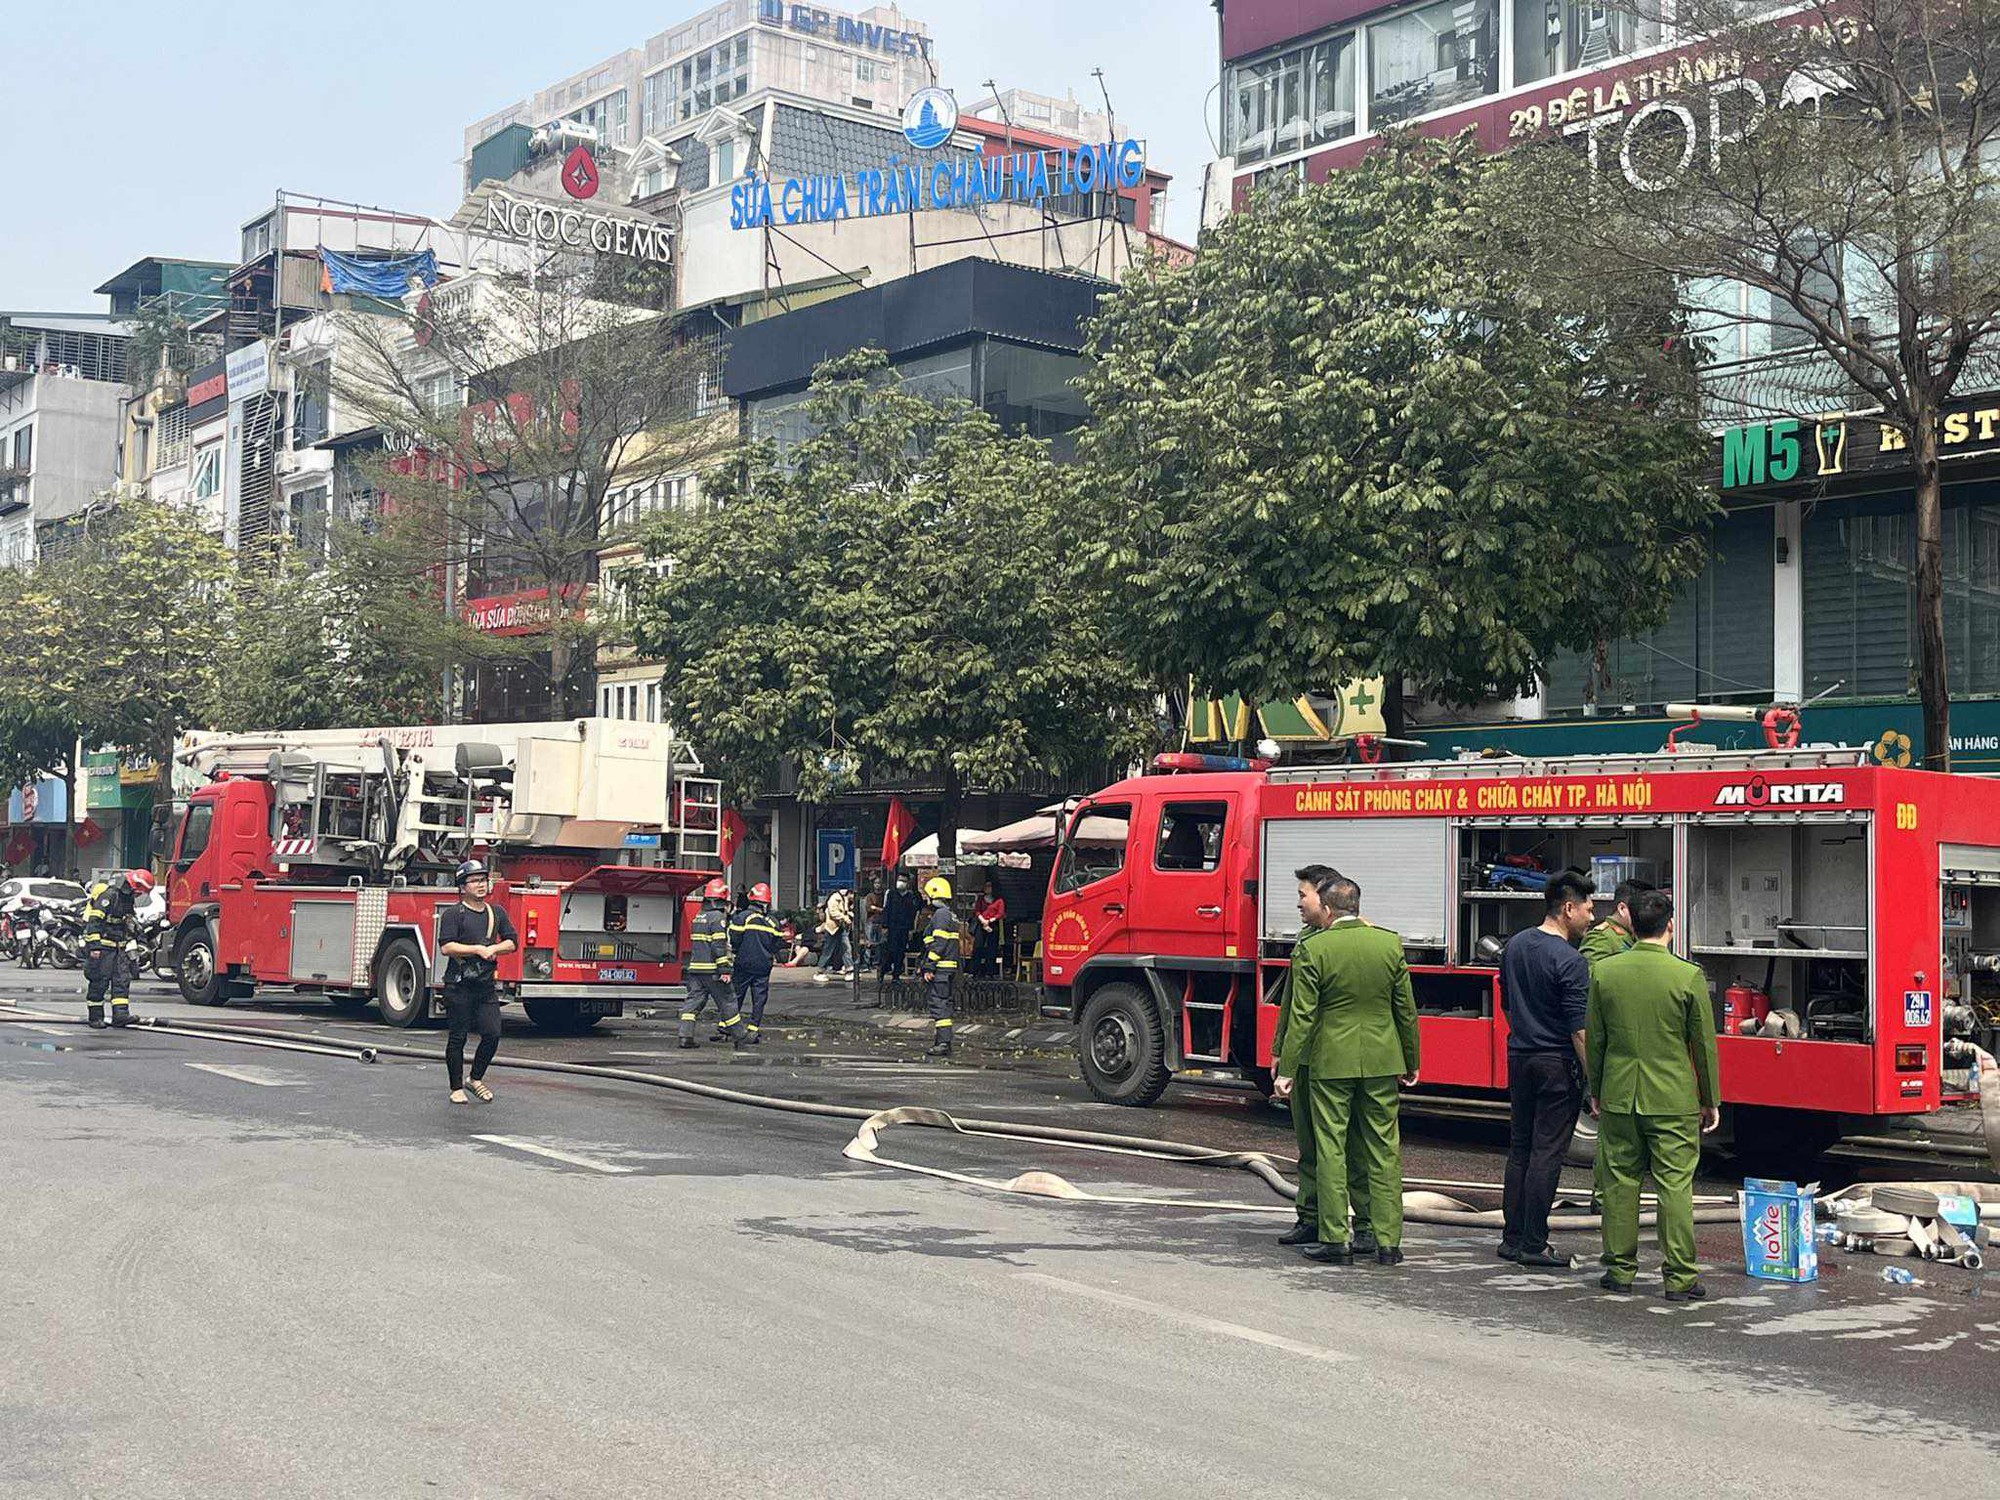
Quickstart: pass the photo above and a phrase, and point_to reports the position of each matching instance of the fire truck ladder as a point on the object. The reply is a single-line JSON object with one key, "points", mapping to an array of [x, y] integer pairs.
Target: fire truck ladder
{"points": [[444, 811], [326, 812], [1224, 1009], [699, 836]]}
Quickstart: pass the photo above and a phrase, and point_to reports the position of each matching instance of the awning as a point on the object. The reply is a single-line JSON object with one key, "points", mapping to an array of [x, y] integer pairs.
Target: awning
{"points": [[923, 854], [1044, 829]]}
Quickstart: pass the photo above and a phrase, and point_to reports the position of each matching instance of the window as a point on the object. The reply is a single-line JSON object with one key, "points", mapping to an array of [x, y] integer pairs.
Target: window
{"points": [[173, 437], [1095, 849], [864, 70], [194, 831], [725, 162], [1293, 101], [1434, 58], [142, 448], [306, 520], [1561, 36], [208, 472], [311, 398], [1030, 391], [1191, 836], [24, 448], [438, 393]]}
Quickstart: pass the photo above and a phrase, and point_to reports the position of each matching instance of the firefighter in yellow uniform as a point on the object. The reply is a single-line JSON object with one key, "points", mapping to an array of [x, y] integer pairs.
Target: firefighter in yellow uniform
{"points": [[942, 949], [1653, 1085], [1306, 1230], [107, 928], [1353, 1029], [708, 976]]}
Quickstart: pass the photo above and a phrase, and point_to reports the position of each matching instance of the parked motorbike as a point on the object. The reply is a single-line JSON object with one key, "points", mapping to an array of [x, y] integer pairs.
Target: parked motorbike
{"points": [[61, 928]]}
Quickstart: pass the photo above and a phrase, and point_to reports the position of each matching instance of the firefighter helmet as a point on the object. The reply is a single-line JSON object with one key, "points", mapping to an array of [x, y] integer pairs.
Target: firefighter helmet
{"points": [[760, 894], [140, 880], [937, 888], [716, 890], [471, 869]]}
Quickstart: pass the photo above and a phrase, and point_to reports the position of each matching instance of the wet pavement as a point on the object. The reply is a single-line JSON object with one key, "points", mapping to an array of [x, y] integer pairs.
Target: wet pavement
{"points": [[266, 1136]]}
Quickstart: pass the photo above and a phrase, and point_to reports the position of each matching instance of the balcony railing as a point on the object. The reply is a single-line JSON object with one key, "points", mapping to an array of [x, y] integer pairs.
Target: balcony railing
{"points": [[1804, 383]]}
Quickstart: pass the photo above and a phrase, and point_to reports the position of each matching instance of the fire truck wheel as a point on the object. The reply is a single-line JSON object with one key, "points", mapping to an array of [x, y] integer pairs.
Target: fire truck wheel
{"points": [[1121, 1047], [400, 990], [558, 1016], [194, 967]]}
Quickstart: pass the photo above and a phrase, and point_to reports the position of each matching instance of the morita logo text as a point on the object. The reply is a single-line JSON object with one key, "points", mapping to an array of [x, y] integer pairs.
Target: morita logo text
{"points": [[1757, 792]]}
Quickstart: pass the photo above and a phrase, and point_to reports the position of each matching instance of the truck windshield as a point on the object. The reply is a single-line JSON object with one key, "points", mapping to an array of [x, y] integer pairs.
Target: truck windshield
{"points": [[1096, 847]]}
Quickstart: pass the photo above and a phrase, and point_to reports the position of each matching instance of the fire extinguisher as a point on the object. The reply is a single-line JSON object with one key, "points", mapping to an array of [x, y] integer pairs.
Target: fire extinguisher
{"points": [[1743, 1002]]}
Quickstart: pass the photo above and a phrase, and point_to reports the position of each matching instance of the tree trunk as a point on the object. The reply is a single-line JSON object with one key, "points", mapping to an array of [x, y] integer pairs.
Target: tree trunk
{"points": [[954, 793], [72, 764], [1933, 679]]}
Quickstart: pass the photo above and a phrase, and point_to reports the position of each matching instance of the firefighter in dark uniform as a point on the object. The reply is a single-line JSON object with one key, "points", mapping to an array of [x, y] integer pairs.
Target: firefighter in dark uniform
{"points": [[942, 949], [754, 940], [708, 970], [107, 928]]}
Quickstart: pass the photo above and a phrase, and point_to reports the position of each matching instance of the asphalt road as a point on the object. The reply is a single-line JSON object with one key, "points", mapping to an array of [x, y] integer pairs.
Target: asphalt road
{"points": [[238, 1272]]}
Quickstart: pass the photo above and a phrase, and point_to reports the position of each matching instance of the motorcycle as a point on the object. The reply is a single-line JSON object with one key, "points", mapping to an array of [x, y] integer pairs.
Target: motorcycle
{"points": [[153, 942], [61, 930]]}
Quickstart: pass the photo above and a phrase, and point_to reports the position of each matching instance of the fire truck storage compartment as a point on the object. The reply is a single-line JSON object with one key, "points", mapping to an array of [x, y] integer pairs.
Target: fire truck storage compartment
{"points": [[1783, 905], [322, 942], [636, 921], [1398, 862], [1971, 897], [1503, 869]]}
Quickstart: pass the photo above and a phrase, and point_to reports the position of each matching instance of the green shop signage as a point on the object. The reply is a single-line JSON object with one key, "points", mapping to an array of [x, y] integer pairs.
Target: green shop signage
{"points": [[1791, 450]]}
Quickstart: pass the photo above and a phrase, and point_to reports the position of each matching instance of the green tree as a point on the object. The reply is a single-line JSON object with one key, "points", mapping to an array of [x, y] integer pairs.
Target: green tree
{"points": [[1347, 441], [899, 587], [116, 638], [359, 637], [1834, 201]]}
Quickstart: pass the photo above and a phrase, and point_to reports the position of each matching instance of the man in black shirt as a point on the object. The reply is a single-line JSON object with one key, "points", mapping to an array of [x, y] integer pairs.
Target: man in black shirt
{"points": [[471, 935], [1545, 990]]}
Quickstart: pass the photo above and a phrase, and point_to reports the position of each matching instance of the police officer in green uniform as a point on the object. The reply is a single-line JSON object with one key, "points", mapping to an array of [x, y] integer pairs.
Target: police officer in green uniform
{"points": [[1315, 916], [1653, 1086], [1612, 935], [1353, 1030], [708, 976]]}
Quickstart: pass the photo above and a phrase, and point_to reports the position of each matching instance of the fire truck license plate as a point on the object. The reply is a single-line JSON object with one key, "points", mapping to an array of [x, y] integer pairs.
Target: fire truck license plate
{"points": [[617, 976]]}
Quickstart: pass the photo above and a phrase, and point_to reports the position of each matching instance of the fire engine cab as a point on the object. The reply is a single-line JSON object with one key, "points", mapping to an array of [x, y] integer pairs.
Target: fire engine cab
{"points": [[321, 861], [1847, 915]]}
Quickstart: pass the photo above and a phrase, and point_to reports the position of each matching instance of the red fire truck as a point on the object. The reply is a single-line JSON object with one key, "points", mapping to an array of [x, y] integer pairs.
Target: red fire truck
{"points": [[320, 861], [1847, 915]]}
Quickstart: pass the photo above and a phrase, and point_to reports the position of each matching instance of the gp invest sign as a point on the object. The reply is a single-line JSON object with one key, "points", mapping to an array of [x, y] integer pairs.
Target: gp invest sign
{"points": [[564, 226]]}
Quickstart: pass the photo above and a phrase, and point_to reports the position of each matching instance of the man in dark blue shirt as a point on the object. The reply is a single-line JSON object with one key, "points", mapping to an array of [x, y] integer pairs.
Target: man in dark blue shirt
{"points": [[1545, 990]]}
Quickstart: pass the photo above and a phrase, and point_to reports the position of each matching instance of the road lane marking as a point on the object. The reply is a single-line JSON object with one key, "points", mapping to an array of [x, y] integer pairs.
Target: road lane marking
{"points": [[65, 1031], [244, 1075], [1191, 1320], [515, 1144]]}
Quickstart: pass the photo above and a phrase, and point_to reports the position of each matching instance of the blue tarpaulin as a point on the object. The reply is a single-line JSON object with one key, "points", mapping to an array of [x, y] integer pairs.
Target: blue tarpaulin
{"points": [[387, 279]]}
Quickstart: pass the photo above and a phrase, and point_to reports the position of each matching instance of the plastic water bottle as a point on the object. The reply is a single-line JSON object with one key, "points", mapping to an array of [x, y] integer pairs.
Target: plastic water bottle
{"points": [[1900, 1276], [1829, 1232]]}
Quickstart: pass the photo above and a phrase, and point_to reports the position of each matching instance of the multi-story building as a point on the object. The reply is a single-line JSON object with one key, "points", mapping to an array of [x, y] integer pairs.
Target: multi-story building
{"points": [[1807, 594], [872, 59], [1032, 111], [62, 391]]}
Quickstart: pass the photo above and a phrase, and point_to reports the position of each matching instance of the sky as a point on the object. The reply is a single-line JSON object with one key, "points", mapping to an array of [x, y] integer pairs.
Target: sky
{"points": [[158, 129]]}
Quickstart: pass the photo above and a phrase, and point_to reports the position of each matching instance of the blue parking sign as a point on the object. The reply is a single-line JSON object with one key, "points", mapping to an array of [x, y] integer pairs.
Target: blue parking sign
{"points": [[839, 859]]}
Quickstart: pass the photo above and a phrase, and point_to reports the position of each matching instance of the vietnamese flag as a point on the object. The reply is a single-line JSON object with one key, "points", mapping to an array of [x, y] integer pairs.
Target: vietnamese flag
{"points": [[734, 830], [902, 823]]}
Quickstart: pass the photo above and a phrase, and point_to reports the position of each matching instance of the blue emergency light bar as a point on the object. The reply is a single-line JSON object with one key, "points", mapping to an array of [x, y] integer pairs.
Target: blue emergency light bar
{"points": [[1188, 761]]}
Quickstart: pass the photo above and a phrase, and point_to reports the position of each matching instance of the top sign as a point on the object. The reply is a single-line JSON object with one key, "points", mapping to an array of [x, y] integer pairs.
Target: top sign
{"points": [[929, 119], [848, 31], [579, 174]]}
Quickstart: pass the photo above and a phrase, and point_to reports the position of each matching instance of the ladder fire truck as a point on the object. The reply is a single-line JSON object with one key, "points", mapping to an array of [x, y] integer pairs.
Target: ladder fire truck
{"points": [[321, 861], [1846, 914]]}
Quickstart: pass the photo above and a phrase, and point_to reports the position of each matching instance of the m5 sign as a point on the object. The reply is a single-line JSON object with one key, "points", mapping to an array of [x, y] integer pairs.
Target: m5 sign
{"points": [[1776, 452]]}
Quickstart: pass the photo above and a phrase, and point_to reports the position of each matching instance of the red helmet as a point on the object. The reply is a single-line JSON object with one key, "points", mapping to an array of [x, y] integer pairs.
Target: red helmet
{"points": [[140, 880], [715, 890], [761, 893]]}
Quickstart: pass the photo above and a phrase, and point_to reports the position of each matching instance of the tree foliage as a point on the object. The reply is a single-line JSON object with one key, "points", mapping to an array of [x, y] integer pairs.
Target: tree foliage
{"points": [[901, 587], [1835, 195], [1345, 441]]}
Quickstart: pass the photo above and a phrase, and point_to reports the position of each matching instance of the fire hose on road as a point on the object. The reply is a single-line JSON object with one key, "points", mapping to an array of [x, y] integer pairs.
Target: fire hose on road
{"points": [[1425, 1201]]}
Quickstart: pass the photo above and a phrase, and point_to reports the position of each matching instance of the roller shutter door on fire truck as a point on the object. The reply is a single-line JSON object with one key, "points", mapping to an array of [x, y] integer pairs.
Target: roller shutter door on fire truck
{"points": [[1399, 863]]}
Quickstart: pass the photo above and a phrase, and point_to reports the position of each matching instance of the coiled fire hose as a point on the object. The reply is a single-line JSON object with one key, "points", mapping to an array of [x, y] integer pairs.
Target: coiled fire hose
{"points": [[1425, 1200]]}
